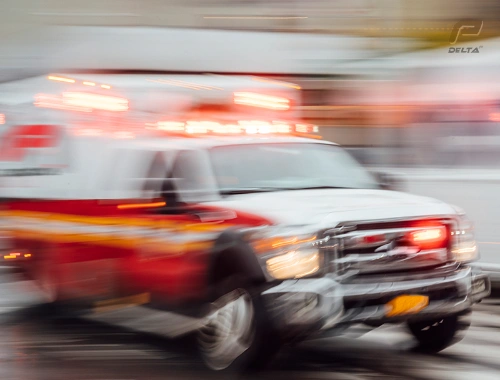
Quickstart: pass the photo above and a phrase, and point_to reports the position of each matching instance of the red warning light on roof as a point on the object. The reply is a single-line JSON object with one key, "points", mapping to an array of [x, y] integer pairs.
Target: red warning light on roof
{"points": [[249, 127]]}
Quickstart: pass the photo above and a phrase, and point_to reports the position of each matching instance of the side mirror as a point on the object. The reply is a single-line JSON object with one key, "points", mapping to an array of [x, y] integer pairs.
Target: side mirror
{"points": [[390, 181]]}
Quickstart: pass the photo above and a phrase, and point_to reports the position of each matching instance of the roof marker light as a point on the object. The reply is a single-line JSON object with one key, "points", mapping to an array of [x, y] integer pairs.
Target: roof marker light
{"points": [[60, 79], [250, 127], [307, 128], [262, 101], [106, 86], [179, 83], [56, 102], [171, 126], [202, 126], [93, 101], [89, 83]]}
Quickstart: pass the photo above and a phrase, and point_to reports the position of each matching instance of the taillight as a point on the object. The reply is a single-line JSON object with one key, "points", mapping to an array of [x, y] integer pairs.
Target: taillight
{"points": [[429, 238]]}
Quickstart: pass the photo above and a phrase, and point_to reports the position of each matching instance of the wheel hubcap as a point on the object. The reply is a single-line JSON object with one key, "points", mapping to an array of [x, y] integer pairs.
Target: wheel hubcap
{"points": [[229, 329]]}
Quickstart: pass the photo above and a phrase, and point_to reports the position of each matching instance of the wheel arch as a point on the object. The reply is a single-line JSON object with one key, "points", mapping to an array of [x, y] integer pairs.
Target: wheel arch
{"points": [[231, 254]]}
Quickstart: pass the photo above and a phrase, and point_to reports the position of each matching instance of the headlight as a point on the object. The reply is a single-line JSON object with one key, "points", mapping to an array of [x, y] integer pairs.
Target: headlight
{"points": [[288, 253], [294, 264], [464, 247]]}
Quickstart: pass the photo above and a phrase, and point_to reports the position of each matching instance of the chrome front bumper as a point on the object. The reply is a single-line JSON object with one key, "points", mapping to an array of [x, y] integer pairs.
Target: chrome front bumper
{"points": [[449, 293], [493, 272], [301, 307]]}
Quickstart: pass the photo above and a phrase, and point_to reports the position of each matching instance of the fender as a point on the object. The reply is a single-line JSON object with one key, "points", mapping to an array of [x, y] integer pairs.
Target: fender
{"points": [[231, 253]]}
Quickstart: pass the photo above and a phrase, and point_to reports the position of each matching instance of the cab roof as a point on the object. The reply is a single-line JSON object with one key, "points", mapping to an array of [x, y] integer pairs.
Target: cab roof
{"points": [[207, 142]]}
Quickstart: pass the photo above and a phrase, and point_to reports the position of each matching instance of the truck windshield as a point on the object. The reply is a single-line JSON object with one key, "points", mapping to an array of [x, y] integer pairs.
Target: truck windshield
{"points": [[286, 166]]}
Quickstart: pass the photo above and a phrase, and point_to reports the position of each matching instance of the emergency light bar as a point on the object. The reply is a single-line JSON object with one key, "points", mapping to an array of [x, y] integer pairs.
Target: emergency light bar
{"points": [[93, 101], [57, 78], [249, 127], [81, 101], [263, 101]]}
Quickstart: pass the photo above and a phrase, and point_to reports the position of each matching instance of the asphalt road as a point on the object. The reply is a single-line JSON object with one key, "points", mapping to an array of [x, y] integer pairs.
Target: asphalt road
{"points": [[34, 347]]}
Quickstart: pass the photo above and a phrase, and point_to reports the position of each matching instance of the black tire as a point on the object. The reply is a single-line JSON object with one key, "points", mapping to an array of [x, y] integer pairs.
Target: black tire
{"points": [[437, 334], [262, 341]]}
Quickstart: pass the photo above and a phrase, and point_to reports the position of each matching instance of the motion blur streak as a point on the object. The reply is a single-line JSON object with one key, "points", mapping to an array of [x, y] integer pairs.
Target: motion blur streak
{"points": [[256, 17], [122, 185], [284, 84], [184, 84], [60, 79], [92, 101], [141, 205], [259, 100]]}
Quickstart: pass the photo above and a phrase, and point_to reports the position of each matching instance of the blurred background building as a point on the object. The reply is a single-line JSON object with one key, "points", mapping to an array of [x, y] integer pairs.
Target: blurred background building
{"points": [[343, 16], [374, 74]]}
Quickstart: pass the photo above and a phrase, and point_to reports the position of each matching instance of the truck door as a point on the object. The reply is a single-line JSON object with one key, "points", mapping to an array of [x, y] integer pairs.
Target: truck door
{"points": [[175, 269]]}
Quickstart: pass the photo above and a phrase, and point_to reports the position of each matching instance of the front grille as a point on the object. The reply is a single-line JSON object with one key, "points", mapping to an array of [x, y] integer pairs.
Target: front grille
{"points": [[382, 246]]}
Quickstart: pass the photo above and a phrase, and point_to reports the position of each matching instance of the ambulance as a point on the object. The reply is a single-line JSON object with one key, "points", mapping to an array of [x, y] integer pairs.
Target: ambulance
{"points": [[205, 200]]}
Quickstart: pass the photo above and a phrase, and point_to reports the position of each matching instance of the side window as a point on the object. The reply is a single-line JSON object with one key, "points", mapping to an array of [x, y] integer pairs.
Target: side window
{"points": [[192, 177], [156, 176]]}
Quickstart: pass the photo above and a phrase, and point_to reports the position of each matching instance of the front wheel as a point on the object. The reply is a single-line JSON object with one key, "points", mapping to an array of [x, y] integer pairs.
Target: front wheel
{"points": [[437, 334], [237, 334]]}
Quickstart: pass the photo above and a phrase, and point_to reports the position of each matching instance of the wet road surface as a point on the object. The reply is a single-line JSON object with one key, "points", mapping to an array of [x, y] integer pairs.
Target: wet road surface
{"points": [[34, 347]]}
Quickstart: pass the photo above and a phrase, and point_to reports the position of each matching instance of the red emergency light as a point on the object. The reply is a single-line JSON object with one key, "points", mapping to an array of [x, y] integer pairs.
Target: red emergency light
{"points": [[248, 127], [262, 101], [429, 238]]}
